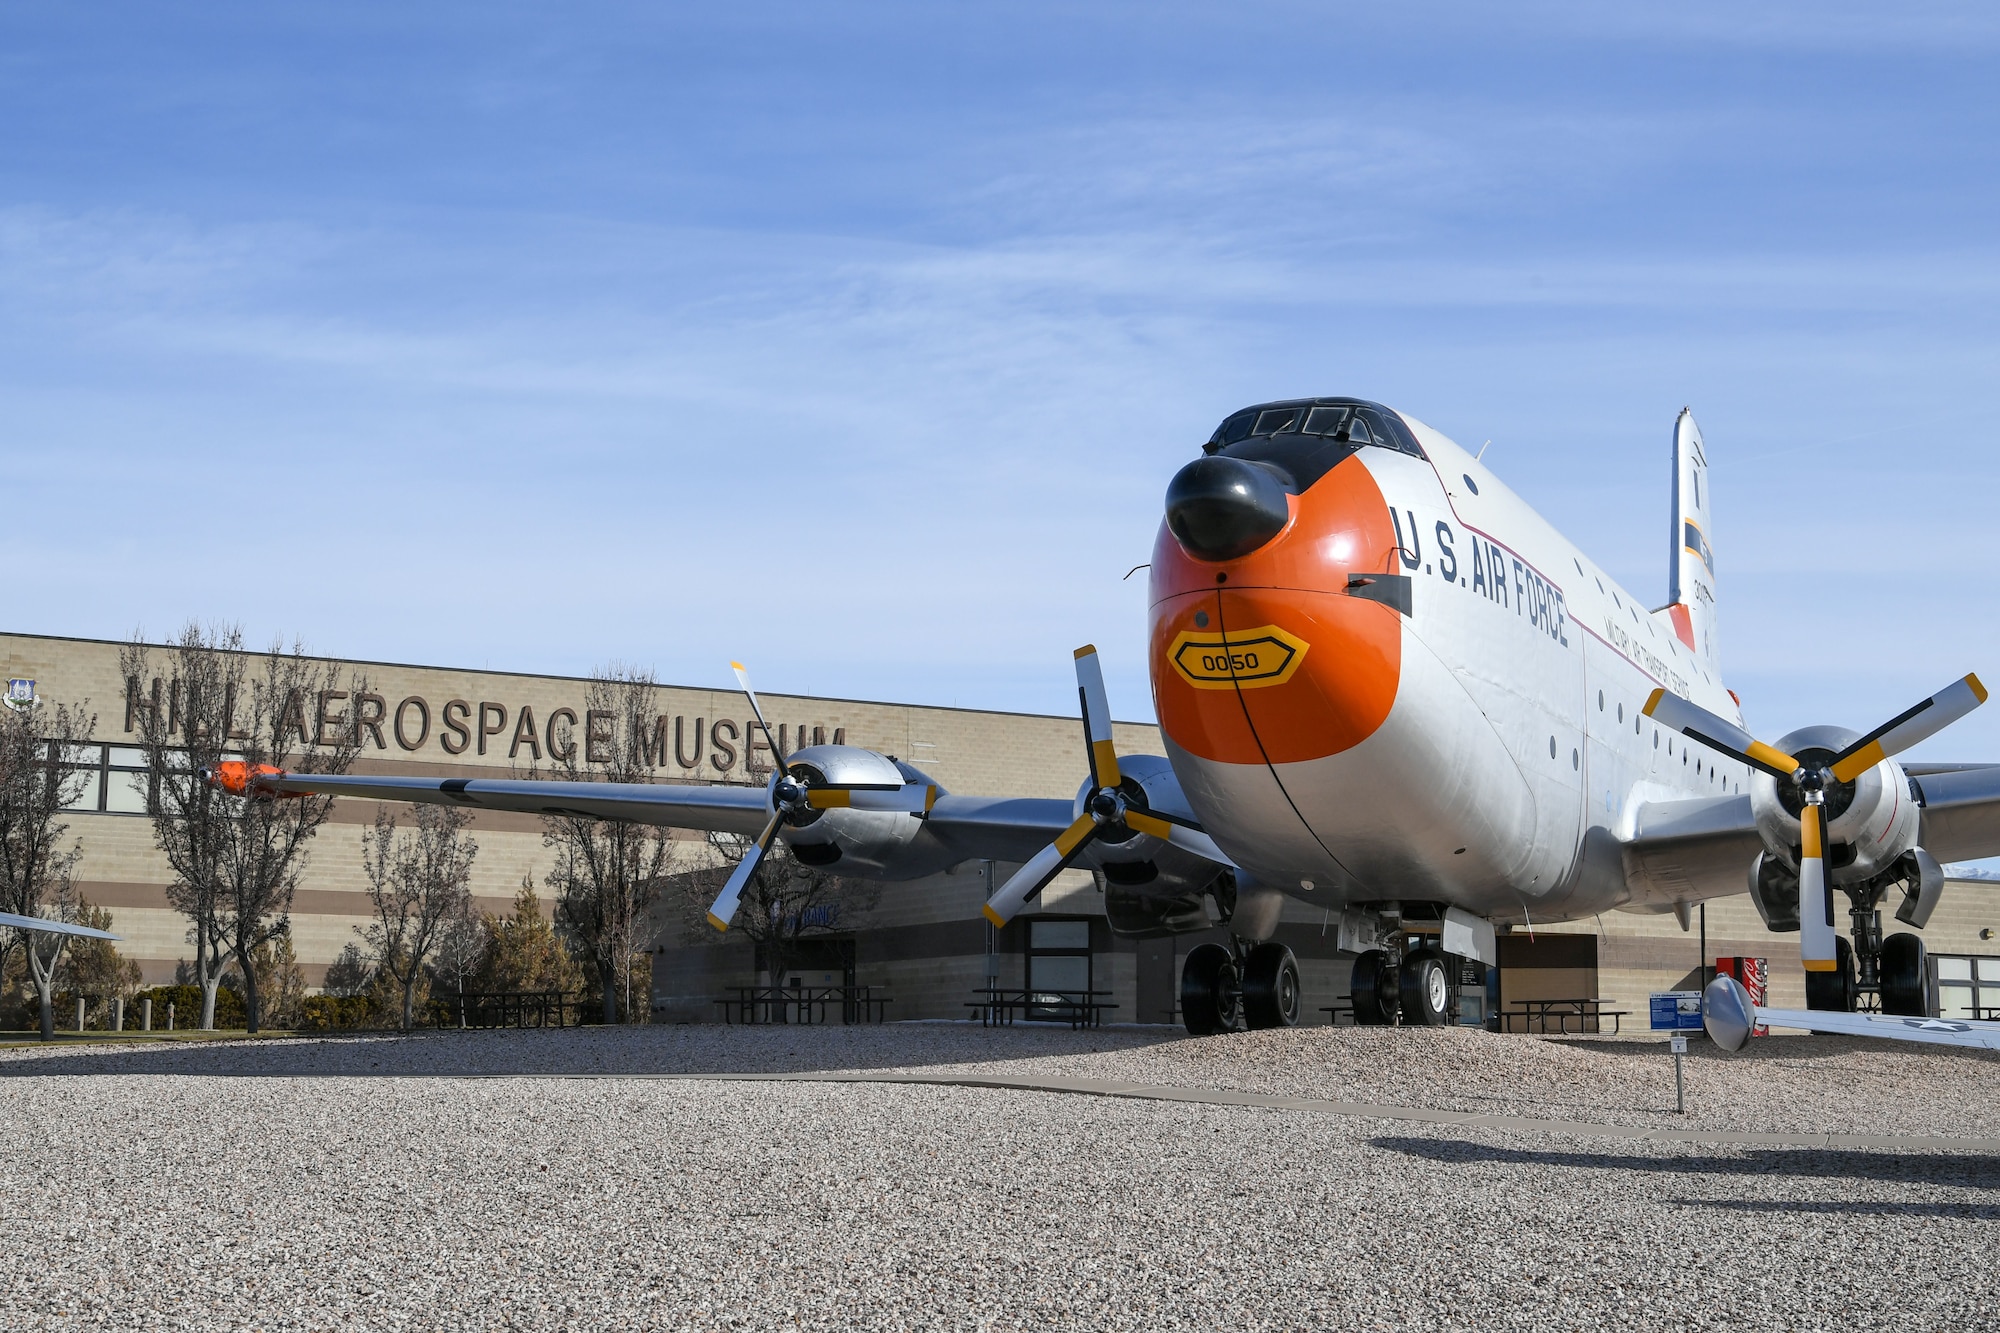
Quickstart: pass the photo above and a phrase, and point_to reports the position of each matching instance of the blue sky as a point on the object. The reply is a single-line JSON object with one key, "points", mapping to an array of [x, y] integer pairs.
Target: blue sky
{"points": [[860, 341]]}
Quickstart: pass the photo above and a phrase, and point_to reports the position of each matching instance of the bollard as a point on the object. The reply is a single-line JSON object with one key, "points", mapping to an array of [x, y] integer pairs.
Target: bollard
{"points": [[170, 1015], [79, 1013], [118, 1013], [146, 1014]]}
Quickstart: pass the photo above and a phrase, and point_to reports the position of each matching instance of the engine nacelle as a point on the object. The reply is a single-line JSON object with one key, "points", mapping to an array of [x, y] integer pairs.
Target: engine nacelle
{"points": [[1871, 821], [861, 842]]}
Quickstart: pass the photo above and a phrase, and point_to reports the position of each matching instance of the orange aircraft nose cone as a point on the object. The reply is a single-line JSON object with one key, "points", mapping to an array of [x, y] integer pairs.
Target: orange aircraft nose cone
{"points": [[1267, 656]]}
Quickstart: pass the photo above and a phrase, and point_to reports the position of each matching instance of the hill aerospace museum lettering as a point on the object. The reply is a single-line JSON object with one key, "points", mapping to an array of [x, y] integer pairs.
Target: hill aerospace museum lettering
{"points": [[327, 717]]}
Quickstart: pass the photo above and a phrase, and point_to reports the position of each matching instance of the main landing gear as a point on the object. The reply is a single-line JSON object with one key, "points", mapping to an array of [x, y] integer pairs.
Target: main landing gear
{"points": [[1892, 969], [1418, 990], [1255, 985]]}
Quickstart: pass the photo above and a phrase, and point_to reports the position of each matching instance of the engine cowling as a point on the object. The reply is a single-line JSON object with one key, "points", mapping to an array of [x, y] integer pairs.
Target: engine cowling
{"points": [[1871, 821], [861, 842]]}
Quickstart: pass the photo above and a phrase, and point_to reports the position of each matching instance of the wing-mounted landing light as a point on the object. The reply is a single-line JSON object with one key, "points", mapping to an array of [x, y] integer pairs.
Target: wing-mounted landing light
{"points": [[1107, 806], [1817, 940], [793, 797]]}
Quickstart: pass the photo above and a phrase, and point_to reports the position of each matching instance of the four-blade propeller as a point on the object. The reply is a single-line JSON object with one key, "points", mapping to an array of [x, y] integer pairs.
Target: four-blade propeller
{"points": [[1107, 806], [1817, 948], [792, 798]]}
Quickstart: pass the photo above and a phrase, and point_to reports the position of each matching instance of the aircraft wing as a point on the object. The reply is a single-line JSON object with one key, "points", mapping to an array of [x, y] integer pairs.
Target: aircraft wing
{"points": [[1961, 813], [1939, 1031], [53, 927], [715, 809], [1685, 851], [1002, 828]]}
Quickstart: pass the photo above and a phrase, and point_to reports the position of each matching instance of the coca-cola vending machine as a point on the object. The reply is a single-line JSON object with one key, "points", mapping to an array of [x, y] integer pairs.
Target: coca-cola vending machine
{"points": [[1753, 974]]}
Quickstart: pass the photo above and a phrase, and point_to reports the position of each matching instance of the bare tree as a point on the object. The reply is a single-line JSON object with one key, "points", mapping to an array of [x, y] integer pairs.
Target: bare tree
{"points": [[37, 874], [785, 902], [236, 861], [607, 872], [417, 884], [463, 943]]}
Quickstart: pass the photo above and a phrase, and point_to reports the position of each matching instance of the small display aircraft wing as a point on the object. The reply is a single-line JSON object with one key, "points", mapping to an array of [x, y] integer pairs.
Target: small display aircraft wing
{"points": [[53, 927], [1941, 1031], [1729, 1017]]}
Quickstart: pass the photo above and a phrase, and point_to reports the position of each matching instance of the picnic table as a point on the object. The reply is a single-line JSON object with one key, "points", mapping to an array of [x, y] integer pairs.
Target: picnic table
{"points": [[1588, 1012], [804, 1004], [1080, 1009]]}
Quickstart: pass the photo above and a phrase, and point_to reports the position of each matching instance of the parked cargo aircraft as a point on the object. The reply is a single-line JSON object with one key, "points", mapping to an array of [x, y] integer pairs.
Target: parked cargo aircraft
{"points": [[1388, 688]]}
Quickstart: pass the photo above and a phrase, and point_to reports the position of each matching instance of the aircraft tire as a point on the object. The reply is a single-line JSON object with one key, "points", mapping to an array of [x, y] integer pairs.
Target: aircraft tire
{"points": [[1834, 990], [1211, 992], [1426, 990], [1904, 988], [1271, 987], [1374, 991]]}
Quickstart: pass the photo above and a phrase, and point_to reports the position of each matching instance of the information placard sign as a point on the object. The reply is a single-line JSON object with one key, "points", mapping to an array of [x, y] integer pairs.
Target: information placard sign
{"points": [[1675, 1010]]}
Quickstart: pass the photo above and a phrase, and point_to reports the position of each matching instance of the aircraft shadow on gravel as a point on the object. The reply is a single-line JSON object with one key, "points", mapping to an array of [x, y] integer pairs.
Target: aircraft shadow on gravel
{"points": [[717, 1051], [1959, 1169]]}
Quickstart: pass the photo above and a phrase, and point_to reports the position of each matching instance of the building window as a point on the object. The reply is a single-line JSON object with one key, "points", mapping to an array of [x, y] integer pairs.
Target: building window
{"points": [[114, 778], [1059, 965], [1967, 987]]}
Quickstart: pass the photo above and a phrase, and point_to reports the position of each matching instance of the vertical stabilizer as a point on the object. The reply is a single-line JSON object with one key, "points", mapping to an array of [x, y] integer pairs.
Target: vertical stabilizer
{"points": [[1690, 609]]}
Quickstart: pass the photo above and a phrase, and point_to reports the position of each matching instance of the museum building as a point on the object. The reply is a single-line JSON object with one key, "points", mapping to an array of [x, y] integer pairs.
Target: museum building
{"points": [[921, 943]]}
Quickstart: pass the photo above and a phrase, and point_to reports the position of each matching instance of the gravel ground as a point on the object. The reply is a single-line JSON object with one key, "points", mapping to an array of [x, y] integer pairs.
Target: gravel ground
{"points": [[155, 1193], [1819, 1084]]}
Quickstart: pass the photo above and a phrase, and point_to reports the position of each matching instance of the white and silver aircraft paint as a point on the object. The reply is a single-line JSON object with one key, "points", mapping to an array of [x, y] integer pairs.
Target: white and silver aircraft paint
{"points": [[1390, 689]]}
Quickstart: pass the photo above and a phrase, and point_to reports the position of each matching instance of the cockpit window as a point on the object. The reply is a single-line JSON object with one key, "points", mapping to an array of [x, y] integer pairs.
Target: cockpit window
{"points": [[1304, 440], [1274, 419]]}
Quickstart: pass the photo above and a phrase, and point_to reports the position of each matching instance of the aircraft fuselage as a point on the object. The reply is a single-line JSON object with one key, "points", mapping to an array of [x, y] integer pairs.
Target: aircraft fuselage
{"points": [[1418, 689]]}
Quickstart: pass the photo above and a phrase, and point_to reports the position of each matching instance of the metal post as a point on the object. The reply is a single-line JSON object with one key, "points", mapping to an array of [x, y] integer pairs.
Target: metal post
{"points": [[1702, 969], [146, 1013], [1680, 1088], [79, 1013], [118, 1013], [170, 1015]]}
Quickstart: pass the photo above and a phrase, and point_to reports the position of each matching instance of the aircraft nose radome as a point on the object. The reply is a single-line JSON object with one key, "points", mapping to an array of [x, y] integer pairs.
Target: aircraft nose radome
{"points": [[1222, 508]]}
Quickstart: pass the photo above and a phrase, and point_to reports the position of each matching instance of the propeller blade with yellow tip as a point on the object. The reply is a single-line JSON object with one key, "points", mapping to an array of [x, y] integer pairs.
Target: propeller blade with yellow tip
{"points": [[1042, 867], [1182, 833], [743, 679], [1921, 723], [1096, 718], [726, 902], [1817, 947], [1717, 733]]}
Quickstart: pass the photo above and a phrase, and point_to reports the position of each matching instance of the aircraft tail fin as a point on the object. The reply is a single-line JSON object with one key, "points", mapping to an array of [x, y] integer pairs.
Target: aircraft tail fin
{"points": [[1690, 610]]}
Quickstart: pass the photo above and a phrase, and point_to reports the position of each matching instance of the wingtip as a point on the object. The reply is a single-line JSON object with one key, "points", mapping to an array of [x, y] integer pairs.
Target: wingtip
{"points": [[992, 915], [1653, 700], [1978, 686], [738, 666], [717, 922], [1088, 650]]}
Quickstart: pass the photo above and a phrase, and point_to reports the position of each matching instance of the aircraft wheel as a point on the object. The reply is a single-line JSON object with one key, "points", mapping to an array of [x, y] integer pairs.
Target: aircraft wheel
{"points": [[1904, 988], [1373, 990], [1426, 987], [1271, 987], [1211, 991], [1834, 990]]}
